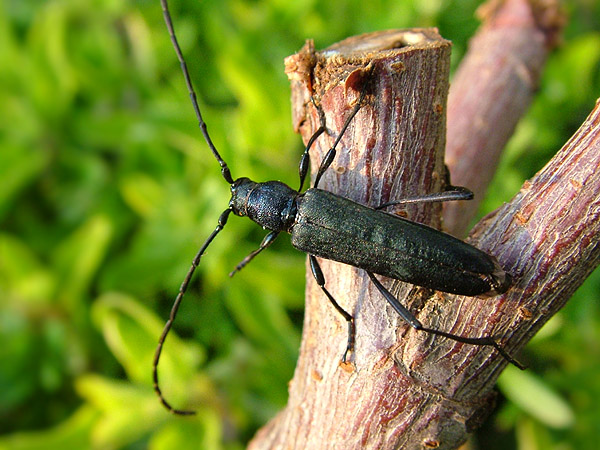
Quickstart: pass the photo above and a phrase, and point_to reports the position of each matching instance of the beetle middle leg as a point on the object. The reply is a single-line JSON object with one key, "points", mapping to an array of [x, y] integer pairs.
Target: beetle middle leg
{"points": [[318, 274], [414, 322], [451, 193]]}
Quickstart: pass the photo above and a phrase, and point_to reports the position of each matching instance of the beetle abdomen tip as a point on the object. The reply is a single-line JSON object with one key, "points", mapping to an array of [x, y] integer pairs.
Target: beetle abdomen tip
{"points": [[501, 281]]}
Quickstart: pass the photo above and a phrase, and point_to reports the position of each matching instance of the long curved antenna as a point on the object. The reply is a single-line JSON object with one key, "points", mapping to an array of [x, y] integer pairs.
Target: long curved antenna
{"points": [[182, 290], [188, 82]]}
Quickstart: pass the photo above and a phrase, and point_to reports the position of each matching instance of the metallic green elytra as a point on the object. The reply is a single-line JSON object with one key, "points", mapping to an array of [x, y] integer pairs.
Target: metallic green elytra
{"points": [[333, 227]]}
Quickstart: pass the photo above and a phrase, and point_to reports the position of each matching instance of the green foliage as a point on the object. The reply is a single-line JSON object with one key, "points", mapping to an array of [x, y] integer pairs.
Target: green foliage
{"points": [[107, 190]]}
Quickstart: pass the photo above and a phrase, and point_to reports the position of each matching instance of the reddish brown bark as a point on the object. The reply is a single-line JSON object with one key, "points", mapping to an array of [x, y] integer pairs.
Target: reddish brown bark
{"points": [[406, 389], [393, 149]]}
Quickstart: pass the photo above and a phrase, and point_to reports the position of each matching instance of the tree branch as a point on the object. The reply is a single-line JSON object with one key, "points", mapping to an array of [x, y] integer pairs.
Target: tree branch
{"points": [[491, 90], [405, 388]]}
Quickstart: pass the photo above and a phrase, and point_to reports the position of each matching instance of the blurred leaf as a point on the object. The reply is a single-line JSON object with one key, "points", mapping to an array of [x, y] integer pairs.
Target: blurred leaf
{"points": [[17, 382], [203, 432], [72, 433], [129, 412], [78, 258], [536, 398], [22, 274], [262, 318], [142, 193], [19, 167], [572, 71], [131, 331], [549, 329], [531, 436]]}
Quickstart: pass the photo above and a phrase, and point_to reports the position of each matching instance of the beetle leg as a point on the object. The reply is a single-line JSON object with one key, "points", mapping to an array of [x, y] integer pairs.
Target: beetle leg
{"points": [[303, 166], [451, 193], [414, 322], [268, 240], [330, 155], [318, 274]]}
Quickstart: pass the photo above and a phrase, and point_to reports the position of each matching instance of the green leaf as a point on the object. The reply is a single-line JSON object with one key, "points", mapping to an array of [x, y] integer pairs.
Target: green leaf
{"points": [[204, 432], [19, 167], [25, 277], [72, 433], [77, 258], [131, 331], [128, 412], [536, 398], [142, 193]]}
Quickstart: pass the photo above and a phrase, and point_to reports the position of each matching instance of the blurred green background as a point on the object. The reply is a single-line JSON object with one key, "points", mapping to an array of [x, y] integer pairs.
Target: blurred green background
{"points": [[107, 190]]}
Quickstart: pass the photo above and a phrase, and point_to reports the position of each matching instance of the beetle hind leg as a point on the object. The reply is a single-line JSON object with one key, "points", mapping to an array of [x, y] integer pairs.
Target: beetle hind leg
{"points": [[414, 322]]}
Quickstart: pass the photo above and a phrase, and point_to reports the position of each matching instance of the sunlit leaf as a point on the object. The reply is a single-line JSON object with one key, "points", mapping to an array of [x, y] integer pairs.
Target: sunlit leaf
{"points": [[128, 411], [204, 432], [79, 257], [72, 433], [536, 398], [132, 332]]}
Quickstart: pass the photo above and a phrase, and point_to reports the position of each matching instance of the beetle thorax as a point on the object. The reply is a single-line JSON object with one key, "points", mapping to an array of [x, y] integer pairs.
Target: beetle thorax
{"points": [[272, 204]]}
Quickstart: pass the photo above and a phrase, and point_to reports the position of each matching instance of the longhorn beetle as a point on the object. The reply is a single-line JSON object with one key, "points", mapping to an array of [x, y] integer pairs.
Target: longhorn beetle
{"points": [[329, 226]]}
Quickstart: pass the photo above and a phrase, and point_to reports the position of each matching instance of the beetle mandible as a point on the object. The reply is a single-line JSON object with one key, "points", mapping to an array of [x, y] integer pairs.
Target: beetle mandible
{"points": [[323, 224]]}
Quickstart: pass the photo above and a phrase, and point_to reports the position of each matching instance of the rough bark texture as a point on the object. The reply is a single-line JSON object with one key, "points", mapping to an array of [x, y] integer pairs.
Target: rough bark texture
{"points": [[393, 149], [406, 389]]}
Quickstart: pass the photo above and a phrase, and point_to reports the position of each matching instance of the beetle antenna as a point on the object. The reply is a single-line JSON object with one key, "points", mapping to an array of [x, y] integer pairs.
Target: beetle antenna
{"points": [[188, 82], [221, 224], [182, 290]]}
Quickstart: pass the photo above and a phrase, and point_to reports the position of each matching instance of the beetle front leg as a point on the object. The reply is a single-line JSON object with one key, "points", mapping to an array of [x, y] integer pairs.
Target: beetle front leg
{"points": [[303, 166], [318, 274], [330, 155], [268, 240]]}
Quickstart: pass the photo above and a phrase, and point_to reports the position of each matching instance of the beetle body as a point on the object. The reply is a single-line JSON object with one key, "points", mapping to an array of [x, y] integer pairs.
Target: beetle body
{"points": [[332, 227]]}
